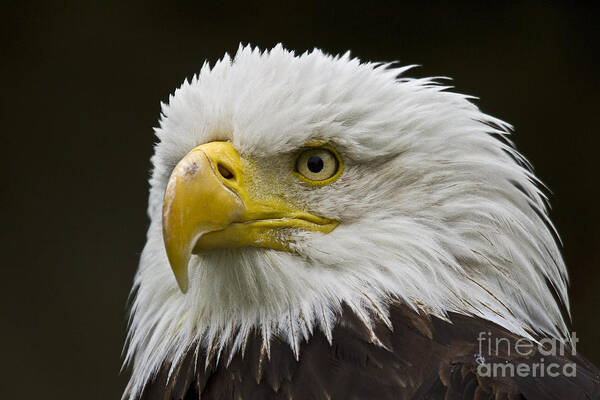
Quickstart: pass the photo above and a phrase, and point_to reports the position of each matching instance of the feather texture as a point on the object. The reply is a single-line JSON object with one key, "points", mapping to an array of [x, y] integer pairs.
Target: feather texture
{"points": [[424, 358]]}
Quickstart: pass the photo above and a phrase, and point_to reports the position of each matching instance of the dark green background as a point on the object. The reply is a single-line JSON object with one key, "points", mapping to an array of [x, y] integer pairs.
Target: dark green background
{"points": [[82, 84]]}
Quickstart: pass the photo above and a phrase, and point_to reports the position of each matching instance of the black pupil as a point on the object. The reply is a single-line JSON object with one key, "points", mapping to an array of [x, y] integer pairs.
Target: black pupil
{"points": [[315, 164]]}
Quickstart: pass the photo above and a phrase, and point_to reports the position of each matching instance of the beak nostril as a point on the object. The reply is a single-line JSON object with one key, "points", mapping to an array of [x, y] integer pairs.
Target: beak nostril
{"points": [[224, 171]]}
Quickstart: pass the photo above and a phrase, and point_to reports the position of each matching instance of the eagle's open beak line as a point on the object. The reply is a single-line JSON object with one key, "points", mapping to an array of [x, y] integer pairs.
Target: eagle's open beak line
{"points": [[208, 205]]}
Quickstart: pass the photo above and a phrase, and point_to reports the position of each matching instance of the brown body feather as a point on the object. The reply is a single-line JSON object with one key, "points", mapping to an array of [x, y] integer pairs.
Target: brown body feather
{"points": [[422, 357]]}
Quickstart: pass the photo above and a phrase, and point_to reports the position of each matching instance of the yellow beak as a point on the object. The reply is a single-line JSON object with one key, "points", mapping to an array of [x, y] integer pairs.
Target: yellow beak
{"points": [[210, 203]]}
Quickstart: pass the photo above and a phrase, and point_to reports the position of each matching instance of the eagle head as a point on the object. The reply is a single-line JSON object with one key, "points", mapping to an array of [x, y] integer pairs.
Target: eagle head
{"points": [[285, 187]]}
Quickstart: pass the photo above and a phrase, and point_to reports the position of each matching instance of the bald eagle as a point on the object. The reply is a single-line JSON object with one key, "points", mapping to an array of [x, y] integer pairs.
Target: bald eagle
{"points": [[325, 228]]}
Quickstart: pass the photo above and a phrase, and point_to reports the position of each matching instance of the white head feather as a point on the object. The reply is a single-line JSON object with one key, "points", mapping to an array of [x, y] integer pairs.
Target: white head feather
{"points": [[436, 209]]}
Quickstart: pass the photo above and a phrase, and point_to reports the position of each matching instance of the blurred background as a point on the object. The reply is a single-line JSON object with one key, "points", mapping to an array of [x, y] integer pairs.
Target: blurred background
{"points": [[82, 84]]}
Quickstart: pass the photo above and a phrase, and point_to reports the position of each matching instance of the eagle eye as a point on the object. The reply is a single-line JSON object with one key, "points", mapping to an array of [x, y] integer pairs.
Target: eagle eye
{"points": [[318, 165]]}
